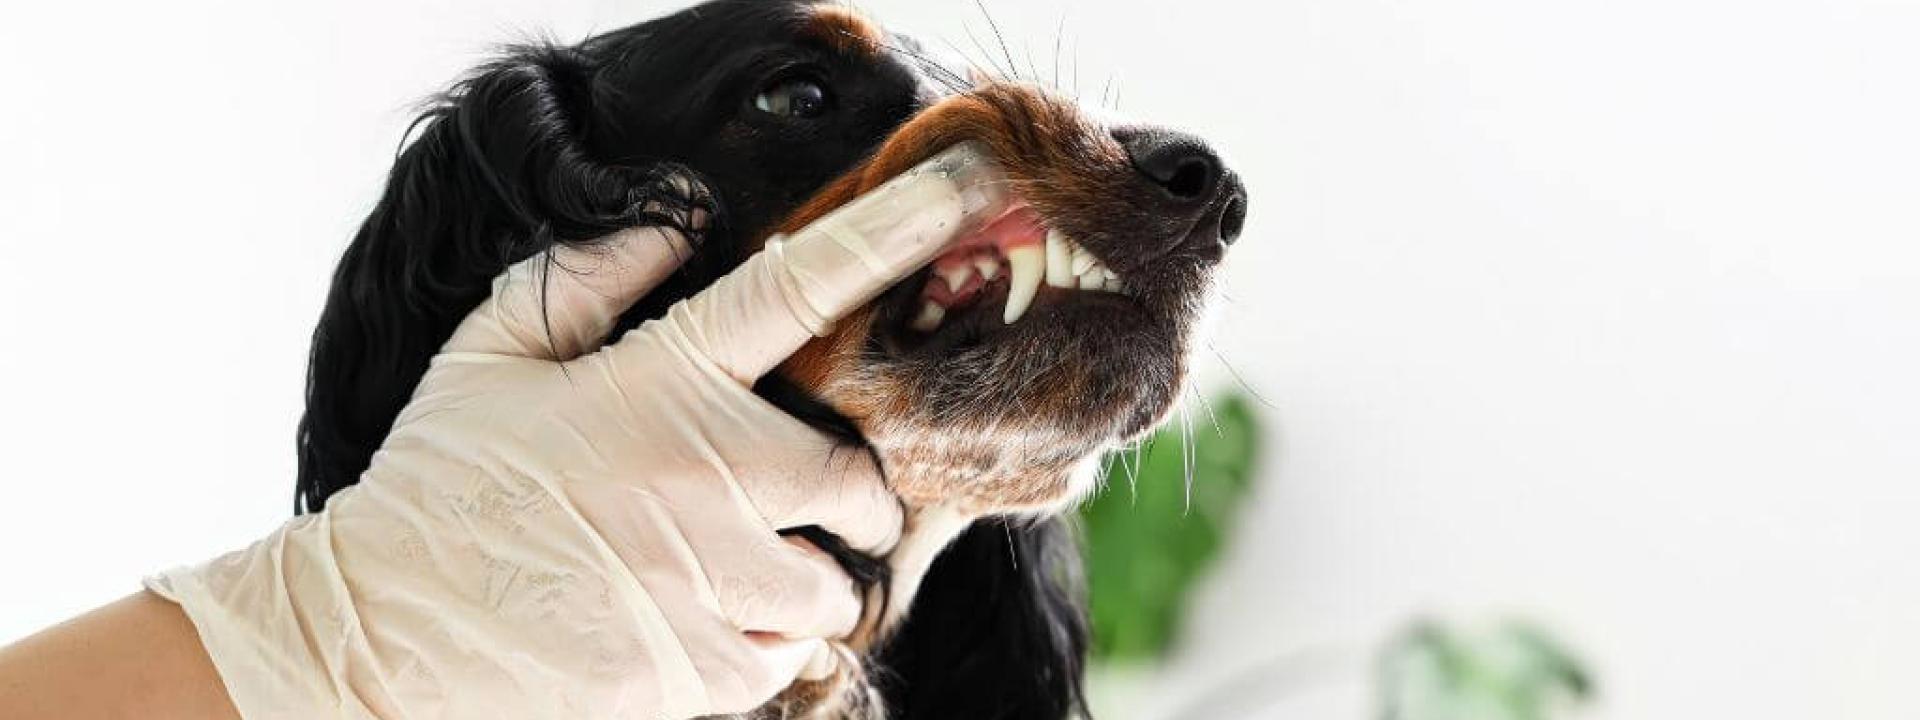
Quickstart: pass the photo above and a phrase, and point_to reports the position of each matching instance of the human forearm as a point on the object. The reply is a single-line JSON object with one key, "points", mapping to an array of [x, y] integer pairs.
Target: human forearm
{"points": [[137, 657]]}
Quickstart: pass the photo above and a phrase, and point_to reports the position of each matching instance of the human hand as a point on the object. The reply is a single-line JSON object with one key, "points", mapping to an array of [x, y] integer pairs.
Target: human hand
{"points": [[558, 528]]}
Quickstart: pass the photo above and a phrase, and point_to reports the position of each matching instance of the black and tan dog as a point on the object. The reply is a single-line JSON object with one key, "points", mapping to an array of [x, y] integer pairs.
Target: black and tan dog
{"points": [[986, 385]]}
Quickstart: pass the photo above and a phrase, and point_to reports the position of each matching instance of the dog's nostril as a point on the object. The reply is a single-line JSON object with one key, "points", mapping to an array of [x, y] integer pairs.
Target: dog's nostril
{"points": [[1233, 218], [1190, 179], [1187, 172], [1177, 163]]}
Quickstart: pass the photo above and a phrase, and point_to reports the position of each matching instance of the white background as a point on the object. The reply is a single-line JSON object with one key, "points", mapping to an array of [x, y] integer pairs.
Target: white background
{"points": [[1600, 312]]}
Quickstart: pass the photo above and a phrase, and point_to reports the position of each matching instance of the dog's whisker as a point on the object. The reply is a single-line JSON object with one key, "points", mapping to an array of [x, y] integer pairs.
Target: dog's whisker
{"points": [[1186, 455], [999, 36], [938, 71], [1238, 379], [1207, 405], [1033, 70], [991, 62], [989, 72], [1059, 35], [1013, 557], [1119, 455]]}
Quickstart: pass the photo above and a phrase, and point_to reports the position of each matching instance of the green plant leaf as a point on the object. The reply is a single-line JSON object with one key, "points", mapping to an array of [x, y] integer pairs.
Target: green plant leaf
{"points": [[1514, 672], [1150, 535]]}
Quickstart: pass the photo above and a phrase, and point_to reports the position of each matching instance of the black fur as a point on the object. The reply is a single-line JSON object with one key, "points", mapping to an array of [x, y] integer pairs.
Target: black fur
{"points": [[998, 630], [496, 175], [560, 145]]}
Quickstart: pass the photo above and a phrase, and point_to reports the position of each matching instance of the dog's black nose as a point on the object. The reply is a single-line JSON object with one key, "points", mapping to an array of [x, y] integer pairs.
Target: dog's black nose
{"points": [[1188, 174]]}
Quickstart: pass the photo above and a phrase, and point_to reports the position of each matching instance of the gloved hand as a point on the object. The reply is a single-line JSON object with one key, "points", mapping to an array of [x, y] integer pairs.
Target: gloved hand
{"points": [[594, 536]]}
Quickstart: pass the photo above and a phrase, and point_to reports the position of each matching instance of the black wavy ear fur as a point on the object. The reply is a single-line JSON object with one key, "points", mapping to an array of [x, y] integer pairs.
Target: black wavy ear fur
{"points": [[998, 629], [496, 175]]}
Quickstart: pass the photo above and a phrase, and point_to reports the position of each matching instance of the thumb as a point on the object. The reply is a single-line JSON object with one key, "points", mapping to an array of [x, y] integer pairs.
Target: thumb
{"points": [[795, 288], [559, 304]]}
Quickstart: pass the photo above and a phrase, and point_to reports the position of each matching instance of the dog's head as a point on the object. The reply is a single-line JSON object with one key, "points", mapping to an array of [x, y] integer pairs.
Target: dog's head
{"points": [[795, 108], [984, 384], [1058, 329]]}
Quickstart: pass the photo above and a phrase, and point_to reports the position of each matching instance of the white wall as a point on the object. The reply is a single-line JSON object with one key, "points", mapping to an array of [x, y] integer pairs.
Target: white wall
{"points": [[1600, 312]]}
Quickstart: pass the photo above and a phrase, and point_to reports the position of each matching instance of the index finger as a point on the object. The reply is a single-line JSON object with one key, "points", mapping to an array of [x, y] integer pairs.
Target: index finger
{"points": [[794, 289]]}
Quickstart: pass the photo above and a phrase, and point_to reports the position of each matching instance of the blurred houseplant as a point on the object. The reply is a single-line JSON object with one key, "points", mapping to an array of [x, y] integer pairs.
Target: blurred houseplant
{"points": [[1514, 671], [1160, 522]]}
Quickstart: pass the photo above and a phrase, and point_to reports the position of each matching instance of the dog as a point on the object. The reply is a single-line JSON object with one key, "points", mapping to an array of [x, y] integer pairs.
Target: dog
{"points": [[985, 391]]}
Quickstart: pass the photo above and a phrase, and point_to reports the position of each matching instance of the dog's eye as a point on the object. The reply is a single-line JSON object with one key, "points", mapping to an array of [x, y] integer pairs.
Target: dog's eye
{"points": [[794, 97]]}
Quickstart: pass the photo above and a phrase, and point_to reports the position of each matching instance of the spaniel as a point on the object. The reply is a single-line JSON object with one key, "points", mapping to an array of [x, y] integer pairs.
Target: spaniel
{"points": [[987, 385]]}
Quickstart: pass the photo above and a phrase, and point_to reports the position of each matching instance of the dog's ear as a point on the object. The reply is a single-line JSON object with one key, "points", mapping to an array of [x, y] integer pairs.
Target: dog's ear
{"points": [[998, 629], [498, 172]]}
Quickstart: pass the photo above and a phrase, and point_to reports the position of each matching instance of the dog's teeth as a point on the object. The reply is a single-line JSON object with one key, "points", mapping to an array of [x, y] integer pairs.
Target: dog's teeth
{"points": [[988, 266], [1093, 281], [1059, 259], [1113, 284], [955, 274], [1026, 264], [930, 316], [1082, 261]]}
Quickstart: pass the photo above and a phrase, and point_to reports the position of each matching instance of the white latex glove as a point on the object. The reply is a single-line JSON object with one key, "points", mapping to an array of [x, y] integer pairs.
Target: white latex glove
{"points": [[596, 537]]}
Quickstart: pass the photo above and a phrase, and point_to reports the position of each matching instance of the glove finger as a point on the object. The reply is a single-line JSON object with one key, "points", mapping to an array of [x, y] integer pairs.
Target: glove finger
{"points": [[560, 304], [825, 660], [815, 481], [792, 590], [794, 289], [743, 671], [781, 662]]}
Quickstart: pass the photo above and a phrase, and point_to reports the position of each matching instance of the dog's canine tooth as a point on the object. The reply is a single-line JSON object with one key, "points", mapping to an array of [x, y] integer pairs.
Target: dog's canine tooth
{"points": [[1026, 264], [1093, 281], [1059, 259], [930, 316]]}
